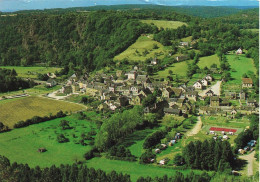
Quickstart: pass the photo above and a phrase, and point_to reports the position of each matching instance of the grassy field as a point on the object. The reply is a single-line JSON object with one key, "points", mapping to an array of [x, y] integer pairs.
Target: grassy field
{"points": [[21, 145], [187, 39], [164, 24], [180, 69], [136, 50], [133, 168], [240, 65], [208, 61], [15, 110], [31, 72]]}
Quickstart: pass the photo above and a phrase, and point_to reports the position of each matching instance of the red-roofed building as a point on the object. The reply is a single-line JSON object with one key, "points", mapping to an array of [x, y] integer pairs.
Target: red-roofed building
{"points": [[247, 83]]}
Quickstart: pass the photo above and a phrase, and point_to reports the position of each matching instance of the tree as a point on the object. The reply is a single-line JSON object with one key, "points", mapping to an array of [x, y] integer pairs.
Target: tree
{"points": [[146, 157], [62, 139], [64, 124], [178, 160]]}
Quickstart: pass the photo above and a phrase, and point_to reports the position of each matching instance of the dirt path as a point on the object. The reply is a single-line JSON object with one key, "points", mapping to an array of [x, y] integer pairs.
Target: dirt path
{"points": [[196, 128], [250, 160], [215, 88]]}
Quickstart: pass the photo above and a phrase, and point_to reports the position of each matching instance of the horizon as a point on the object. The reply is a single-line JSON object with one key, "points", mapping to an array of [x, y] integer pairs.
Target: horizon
{"points": [[20, 5]]}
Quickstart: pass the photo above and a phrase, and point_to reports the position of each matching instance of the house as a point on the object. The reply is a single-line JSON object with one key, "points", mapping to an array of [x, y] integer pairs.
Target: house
{"points": [[135, 90], [180, 102], [74, 77], [131, 75], [209, 93], [145, 92], [239, 51], [242, 95], [75, 88], [66, 89], [186, 108], [181, 58], [251, 102], [177, 92], [141, 79], [184, 44], [103, 107], [51, 82], [247, 83], [137, 100], [204, 82], [154, 61], [209, 78], [233, 112], [167, 93], [172, 111], [230, 95], [198, 85], [214, 101], [192, 95]]}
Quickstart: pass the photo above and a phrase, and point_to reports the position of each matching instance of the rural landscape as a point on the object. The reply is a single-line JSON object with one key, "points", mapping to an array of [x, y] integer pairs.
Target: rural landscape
{"points": [[120, 93]]}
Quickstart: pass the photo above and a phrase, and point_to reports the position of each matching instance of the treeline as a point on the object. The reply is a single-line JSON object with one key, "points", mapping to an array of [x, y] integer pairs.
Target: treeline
{"points": [[71, 173], [38, 119], [209, 155], [10, 82], [117, 127], [88, 40]]}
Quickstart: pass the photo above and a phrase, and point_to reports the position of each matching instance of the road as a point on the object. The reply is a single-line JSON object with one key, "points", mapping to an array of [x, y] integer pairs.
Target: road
{"points": [[215, 88], [196, 128], [250, 161]]}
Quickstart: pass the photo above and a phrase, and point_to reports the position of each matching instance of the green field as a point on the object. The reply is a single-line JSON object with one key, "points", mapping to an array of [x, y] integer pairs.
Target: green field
{"points": [[31, 72], [164, 24], [136, 50], [208, 61], [21, 145], [15, 110], [239, 65], [134, 169], [180, 69]]}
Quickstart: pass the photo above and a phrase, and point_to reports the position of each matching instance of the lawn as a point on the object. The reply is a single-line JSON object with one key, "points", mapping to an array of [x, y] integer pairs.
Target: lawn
{"points": [[134, 169], [164, 24], [239, 65], [180, 69], [21, 145], [136, 50], [31, 72], [15, 110], [208, 61]]}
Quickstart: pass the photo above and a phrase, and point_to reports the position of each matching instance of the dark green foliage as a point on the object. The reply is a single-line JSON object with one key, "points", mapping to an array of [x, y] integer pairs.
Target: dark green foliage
{"points": [[146, 157], [121, 153], [64, 124], [42, 77], [62, 139], [209, 155], [178, 160], [149, 100], [9, 81], [38, 119], [154, 139]]}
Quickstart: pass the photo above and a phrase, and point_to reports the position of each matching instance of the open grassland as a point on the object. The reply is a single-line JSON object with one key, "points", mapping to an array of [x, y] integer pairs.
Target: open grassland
{"points": [[21, 145], [207, 61], [180, 69], [239, 65], [134, 169], [12, 111], [187, 39], [164, 24], [31, 72], [136, 52]]}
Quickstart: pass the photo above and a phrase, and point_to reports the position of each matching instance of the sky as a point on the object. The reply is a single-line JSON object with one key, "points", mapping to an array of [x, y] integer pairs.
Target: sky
{"points": [[14, 5]]}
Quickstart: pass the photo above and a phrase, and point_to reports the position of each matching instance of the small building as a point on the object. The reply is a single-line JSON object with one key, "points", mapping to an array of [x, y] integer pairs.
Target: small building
{"points": [[239, 51], [209, 78], [198, 85], [141, 79], [233, 112], [103, 107], [182, 58], [214, 101], [242, 95], [204, 82], [209, 93], [154, 61], [185, 44], [172, 111], [231, 95], [157, 151], [167, 93], [251, 102], [131, 75], [193, 95], [247, 83], [51, 82]]}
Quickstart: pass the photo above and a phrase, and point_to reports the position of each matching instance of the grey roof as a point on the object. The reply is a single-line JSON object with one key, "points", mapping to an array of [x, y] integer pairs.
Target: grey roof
{"points": [[171, 110]]}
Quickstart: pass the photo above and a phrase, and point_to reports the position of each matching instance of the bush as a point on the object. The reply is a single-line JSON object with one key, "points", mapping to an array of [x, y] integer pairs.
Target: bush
{"points": [[62, 139], [147, 157]]}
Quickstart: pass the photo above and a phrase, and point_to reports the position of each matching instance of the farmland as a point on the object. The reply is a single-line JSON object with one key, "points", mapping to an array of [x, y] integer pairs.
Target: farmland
{"points": [[136, 52], [164, 24], [31, 72], [16, 110], [21, 145], [208, 61]]}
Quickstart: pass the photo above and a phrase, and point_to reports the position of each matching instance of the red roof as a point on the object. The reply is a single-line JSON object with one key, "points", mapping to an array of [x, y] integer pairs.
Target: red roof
{"points": [[222, 129], [247, 80]]}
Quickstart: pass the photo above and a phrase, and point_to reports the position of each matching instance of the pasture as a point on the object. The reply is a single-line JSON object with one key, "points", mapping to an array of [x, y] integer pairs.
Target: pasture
{"points": [[207, 61], [21, 145], [31, 72], [164, 24], [14, 110], [143, 49]]}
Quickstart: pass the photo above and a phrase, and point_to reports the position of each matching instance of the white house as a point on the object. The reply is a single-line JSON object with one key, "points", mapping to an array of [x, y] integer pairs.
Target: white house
{"points": [[198, 85], [204, 82], [239, 51], [154, 61], [209, 78], [131, 75]]}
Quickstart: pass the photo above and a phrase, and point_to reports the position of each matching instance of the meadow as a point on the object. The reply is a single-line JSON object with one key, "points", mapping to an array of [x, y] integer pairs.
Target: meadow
{"points": [[21, 145], [31, 72], [136, 51], [164, 23], [14, 110], [207, 61], [240, 65]]}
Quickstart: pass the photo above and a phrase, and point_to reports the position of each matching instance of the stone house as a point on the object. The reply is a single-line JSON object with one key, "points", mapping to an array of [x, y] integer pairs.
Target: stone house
{"points": [[172, 111], [204, 82], [251, 102], [131, 75], [209, 93], [214, 101], [209, 78], [191, 95], [198, 85], [247, 83], [167, 92]]}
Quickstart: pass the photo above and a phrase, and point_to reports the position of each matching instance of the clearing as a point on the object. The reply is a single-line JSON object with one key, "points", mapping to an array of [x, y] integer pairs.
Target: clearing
{"points": [[216, 88], [143, 49], [31, 72], [14, 110], [196, 128], [164, 23], [208, 61], [21, 145]]}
